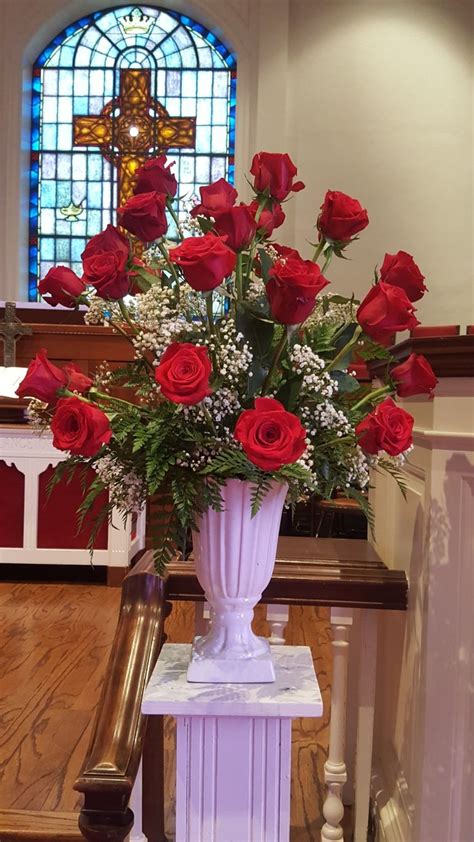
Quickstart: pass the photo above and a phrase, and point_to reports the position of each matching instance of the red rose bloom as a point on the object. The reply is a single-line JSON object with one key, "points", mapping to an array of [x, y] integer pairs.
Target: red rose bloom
{"points": [[155, 177], [384, 311], [270, 436], [341, 217], [104, 260], [76, 380], [219, 196], [145, 216], [183, 373], [79, 427], [414, 377], [388, 427], [273, 174], [204, 261], [42, 380], [61, 286], [269, 219], [236, 226], [400, 270], [292, 289]]}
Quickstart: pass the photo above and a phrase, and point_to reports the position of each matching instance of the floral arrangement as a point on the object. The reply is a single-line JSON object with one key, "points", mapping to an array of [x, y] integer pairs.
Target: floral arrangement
{"points": [[244, 359]]}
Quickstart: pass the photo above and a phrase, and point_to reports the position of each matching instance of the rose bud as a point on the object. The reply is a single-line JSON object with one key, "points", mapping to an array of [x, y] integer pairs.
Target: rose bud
{"points": [[76, 380], [414, 377], [219, 196], [270, 436], [145, 216], [61, 286], [42, 380], [388, 427], [273, 174], [183, 373], [204, 261], [341, 217], [269, 219], [155, 177], [384, 311], [79, 427], [104, 261], [400, 270], [236, 226], [292, 289]]}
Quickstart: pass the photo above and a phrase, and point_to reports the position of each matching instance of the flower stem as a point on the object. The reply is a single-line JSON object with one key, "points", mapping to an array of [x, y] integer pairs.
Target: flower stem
{"points": [[319, 249], [125, 313], [342, 353], [371, 396], [238, 277], [327, 261], [276, 358], [106, 397], [171, 268], [174, 216], [208, 417]]}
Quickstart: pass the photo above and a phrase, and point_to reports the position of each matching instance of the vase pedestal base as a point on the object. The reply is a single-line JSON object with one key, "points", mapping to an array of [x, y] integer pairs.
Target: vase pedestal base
{"points": [[253, 669]]}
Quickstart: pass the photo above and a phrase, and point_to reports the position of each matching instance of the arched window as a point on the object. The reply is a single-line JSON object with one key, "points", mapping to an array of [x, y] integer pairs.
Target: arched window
{"points": [[109, 91]]}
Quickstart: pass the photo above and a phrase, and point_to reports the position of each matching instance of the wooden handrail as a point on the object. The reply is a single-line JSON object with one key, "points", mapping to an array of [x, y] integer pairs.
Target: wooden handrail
{"points": [[115, 750]]}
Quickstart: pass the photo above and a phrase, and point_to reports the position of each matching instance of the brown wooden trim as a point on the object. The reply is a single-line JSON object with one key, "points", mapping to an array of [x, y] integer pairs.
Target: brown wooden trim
{"points": [[449, 356], [315, 571], [111, 764], [116, 576]]}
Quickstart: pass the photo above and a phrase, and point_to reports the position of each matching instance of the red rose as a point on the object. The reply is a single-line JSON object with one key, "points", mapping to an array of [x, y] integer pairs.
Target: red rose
{"points": [[388, 427], [183, 373], [62, 286], [384, 311], [414, 377], [236, 226], [145, 216], [42, 380], [292, 289], [286, 251], [270, 436], [79, 427], [273, 174], [269, 219], [219, 196], [204, 261], [341, 217], [155, 177], [104, 260], [76, 380], [400, 270]]}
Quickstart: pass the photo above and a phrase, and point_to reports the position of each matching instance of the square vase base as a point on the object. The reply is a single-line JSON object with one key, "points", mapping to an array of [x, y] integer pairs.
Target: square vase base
{"points": [[256, 670]]}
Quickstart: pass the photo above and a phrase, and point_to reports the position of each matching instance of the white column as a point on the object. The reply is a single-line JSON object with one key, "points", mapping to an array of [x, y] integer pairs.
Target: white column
{"points": [[335, 774], [136, 802], [277, 619], [233, 750], [365, 720]]}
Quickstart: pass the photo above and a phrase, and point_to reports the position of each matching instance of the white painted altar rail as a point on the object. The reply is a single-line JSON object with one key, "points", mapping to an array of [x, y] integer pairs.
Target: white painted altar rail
{"points": [[32, 454], [233, 750]]}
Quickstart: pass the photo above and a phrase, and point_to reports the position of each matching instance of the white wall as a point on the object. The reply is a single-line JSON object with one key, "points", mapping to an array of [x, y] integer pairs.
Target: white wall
{"points": [[372, 97]]}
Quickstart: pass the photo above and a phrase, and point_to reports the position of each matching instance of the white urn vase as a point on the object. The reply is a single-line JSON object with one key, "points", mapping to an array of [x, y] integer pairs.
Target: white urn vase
{"points": [[234, 555]]}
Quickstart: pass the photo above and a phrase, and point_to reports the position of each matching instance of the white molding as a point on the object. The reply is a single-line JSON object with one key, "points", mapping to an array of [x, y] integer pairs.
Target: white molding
{"points": [[393, 808], [443, 439]]}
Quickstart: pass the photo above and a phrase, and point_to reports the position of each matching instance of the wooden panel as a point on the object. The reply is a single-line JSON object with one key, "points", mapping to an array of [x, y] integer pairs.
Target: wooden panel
{"points": [[449, 356], [36, 826]]}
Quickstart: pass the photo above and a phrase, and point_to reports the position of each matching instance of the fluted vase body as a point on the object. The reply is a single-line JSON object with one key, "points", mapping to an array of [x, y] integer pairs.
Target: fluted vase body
{"points": [[234, 555]]}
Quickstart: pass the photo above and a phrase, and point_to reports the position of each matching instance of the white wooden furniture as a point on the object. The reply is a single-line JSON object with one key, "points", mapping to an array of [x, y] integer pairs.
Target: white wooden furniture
{"points": [[233, 745], [31, 454]]}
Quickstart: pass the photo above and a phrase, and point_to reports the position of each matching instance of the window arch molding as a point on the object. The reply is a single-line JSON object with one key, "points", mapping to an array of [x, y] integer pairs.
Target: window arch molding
{"points": [[68, 31]]}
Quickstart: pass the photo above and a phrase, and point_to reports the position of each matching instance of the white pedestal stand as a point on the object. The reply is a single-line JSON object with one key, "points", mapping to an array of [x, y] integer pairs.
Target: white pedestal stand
{"points": [[233, 752]]}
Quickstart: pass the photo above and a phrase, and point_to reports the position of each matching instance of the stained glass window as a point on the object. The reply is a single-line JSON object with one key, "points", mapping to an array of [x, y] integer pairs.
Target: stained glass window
{"points": [[110, 90]]}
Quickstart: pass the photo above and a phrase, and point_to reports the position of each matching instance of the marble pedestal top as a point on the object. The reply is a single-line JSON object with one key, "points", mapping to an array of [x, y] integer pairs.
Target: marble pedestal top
{"points": [[294, 693]]}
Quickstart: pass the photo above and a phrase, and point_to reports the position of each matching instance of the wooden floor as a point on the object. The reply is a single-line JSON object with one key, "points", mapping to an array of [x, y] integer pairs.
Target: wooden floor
{"points": [[54, 644]]}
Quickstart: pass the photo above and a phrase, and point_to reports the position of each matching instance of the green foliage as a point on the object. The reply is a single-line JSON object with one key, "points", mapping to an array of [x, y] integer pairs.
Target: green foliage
{"points": [[394, 472], [373, 351]]}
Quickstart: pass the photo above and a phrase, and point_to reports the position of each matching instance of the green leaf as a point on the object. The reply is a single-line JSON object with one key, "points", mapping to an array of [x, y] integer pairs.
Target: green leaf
{"points": [[266, 263], [289, 391], [346, 383], [258, 333], [256, 377]]}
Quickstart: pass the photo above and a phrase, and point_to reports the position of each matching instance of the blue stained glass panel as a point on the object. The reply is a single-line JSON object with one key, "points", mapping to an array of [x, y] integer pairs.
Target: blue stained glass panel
{"points": [[78, 76]]}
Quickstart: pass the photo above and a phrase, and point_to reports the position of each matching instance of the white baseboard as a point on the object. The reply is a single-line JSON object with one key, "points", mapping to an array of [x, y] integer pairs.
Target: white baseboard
{"points": [[392, 807]]}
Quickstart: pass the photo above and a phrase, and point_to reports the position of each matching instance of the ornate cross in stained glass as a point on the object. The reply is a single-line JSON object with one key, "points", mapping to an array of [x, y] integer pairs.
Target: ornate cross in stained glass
{"points": [[133, 126], [109, 91]]}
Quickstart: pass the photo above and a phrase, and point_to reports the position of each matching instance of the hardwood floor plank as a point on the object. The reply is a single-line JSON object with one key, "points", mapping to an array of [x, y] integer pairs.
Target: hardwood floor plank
{"points": [[31, 826]]}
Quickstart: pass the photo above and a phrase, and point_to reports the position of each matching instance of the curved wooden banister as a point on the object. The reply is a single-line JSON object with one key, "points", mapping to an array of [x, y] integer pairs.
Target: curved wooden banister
{"points": [[113, 757]]}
